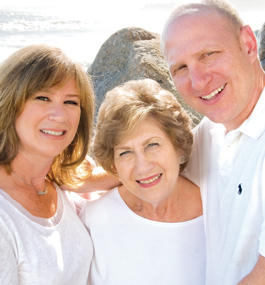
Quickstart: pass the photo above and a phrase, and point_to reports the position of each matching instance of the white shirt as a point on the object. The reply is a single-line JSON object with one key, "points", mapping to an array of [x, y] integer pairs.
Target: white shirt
{"points": [[230, 170], [130, 250], [55, 251]]}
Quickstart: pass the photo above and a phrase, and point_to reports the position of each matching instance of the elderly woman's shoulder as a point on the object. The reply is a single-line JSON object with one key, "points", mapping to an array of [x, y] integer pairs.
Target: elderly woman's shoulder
{"points": [[104, 198], [191, 197], [106, 206]]}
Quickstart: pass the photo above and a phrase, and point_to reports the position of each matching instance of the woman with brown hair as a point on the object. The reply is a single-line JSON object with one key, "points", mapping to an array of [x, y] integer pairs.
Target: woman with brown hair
{"points": [[46, 121], [149, 230]]}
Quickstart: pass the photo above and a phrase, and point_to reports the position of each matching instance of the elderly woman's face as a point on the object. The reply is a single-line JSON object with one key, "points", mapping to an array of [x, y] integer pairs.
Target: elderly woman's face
{"points": [[147, 162], [49, 121]]}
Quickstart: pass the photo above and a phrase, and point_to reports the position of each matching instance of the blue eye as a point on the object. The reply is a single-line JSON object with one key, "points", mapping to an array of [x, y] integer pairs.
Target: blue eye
{"points": [[209, 54], [152, 144]]}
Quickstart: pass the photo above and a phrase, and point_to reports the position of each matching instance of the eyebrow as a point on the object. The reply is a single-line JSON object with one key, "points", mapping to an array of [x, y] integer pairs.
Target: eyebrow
{"points": [[51, 92], [72, 95], [127, 147], [121, 147], [148, 140]]}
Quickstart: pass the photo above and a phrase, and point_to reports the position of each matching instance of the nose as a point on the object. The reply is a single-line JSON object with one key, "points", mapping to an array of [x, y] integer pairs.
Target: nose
{"points": [[143, 164], [199, 77], [58, 114]]}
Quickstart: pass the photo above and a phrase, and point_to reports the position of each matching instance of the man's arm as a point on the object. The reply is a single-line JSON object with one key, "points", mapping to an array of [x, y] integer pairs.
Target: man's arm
{"points": [[257, 275], [99, 180]]}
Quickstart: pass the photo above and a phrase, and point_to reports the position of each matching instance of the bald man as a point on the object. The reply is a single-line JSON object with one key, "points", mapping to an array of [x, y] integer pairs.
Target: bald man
{"points": [[213, 61]]}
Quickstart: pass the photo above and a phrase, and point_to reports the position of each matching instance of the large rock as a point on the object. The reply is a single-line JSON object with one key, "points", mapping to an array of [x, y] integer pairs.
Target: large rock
{"points": [[261, 45], [132, 54]]}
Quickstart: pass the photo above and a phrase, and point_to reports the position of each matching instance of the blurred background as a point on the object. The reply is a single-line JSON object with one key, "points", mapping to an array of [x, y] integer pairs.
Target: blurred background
{"points": [[80, 27]]}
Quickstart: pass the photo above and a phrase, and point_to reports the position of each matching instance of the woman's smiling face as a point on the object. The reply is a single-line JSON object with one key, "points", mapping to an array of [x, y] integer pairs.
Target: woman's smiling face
{"points": [[49, 121], [147, 162]]}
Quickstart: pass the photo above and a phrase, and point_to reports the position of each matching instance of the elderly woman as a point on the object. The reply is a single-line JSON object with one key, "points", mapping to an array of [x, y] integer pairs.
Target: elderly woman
{"points": [[150, 230], [46, 119]]}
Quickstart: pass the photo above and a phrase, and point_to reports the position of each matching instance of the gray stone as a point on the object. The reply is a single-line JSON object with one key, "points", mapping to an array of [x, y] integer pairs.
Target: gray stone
{"points": [[261, 45], [132, 54]]}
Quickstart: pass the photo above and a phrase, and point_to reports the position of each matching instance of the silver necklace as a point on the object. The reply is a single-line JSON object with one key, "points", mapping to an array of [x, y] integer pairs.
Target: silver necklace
{"points": [[38, 191]]}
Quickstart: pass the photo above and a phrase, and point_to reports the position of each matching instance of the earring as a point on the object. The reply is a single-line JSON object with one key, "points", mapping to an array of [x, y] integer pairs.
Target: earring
{"points": [[182, 159]]}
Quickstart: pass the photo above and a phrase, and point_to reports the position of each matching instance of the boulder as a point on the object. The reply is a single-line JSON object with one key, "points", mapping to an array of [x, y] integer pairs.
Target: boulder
{"points": [[261, 45], [132, 54]]}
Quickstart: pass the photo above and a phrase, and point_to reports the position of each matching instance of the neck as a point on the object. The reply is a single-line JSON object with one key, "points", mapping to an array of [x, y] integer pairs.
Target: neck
{"points": [[168, 209], [32, 172], [258, 86]]}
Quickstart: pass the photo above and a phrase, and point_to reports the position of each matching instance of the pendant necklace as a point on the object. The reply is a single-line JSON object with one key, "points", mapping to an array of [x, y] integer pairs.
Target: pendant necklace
{"points": [[40, 193]]}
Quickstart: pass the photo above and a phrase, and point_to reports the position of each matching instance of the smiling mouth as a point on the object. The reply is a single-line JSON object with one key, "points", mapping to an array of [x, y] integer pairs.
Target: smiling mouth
{"points": [[53, 133], [149, 180], [213, 94]]}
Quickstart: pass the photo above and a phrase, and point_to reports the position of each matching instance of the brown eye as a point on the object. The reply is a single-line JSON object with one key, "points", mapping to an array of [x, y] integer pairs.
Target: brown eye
{"points": [[71, 102]]}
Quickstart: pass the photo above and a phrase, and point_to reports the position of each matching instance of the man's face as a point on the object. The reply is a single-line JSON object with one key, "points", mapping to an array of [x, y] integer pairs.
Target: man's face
{"points": [[211, 67]]}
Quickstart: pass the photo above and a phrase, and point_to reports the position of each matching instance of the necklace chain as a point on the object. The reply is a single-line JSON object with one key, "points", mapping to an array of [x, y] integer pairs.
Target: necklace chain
{"points": [[41, 193]]}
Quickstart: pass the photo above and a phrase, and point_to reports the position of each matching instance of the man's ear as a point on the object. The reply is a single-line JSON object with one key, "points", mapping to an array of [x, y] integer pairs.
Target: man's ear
{"points": [[248, 42]]}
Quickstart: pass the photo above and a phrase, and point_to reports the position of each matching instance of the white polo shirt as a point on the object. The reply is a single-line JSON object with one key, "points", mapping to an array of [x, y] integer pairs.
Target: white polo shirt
{"points": [[230, 170]]}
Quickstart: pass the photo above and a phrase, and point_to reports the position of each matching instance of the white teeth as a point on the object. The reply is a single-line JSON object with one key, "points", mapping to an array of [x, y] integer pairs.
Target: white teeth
{"points": [[210, 96], [150, 180], [52, 132]]}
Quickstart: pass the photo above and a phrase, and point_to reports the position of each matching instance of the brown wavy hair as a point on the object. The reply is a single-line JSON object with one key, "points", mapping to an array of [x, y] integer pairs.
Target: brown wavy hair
{"points": [[126, 106], [37, 68]]}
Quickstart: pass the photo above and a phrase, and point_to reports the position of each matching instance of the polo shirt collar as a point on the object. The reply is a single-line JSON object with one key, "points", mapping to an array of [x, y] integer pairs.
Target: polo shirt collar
{"points": [[254, 126]]}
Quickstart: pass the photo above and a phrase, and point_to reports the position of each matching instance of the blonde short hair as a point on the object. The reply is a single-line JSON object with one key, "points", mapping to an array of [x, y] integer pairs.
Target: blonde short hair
{"points": [[37, 68], [126, 106]]}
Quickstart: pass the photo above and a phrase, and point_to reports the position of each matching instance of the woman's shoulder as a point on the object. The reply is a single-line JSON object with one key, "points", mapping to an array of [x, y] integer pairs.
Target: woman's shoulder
{"points": [[191, 197], [7, 205], [108, 202], [106, 199], [107, 206]]}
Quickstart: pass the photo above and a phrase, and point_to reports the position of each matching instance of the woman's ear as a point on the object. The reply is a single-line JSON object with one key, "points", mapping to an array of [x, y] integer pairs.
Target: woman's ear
{"points": [[114, 169], [182, 159]]}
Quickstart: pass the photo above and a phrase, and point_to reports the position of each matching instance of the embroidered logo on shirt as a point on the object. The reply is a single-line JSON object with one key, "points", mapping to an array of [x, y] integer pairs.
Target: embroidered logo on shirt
{"points": [[239, 189]]}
